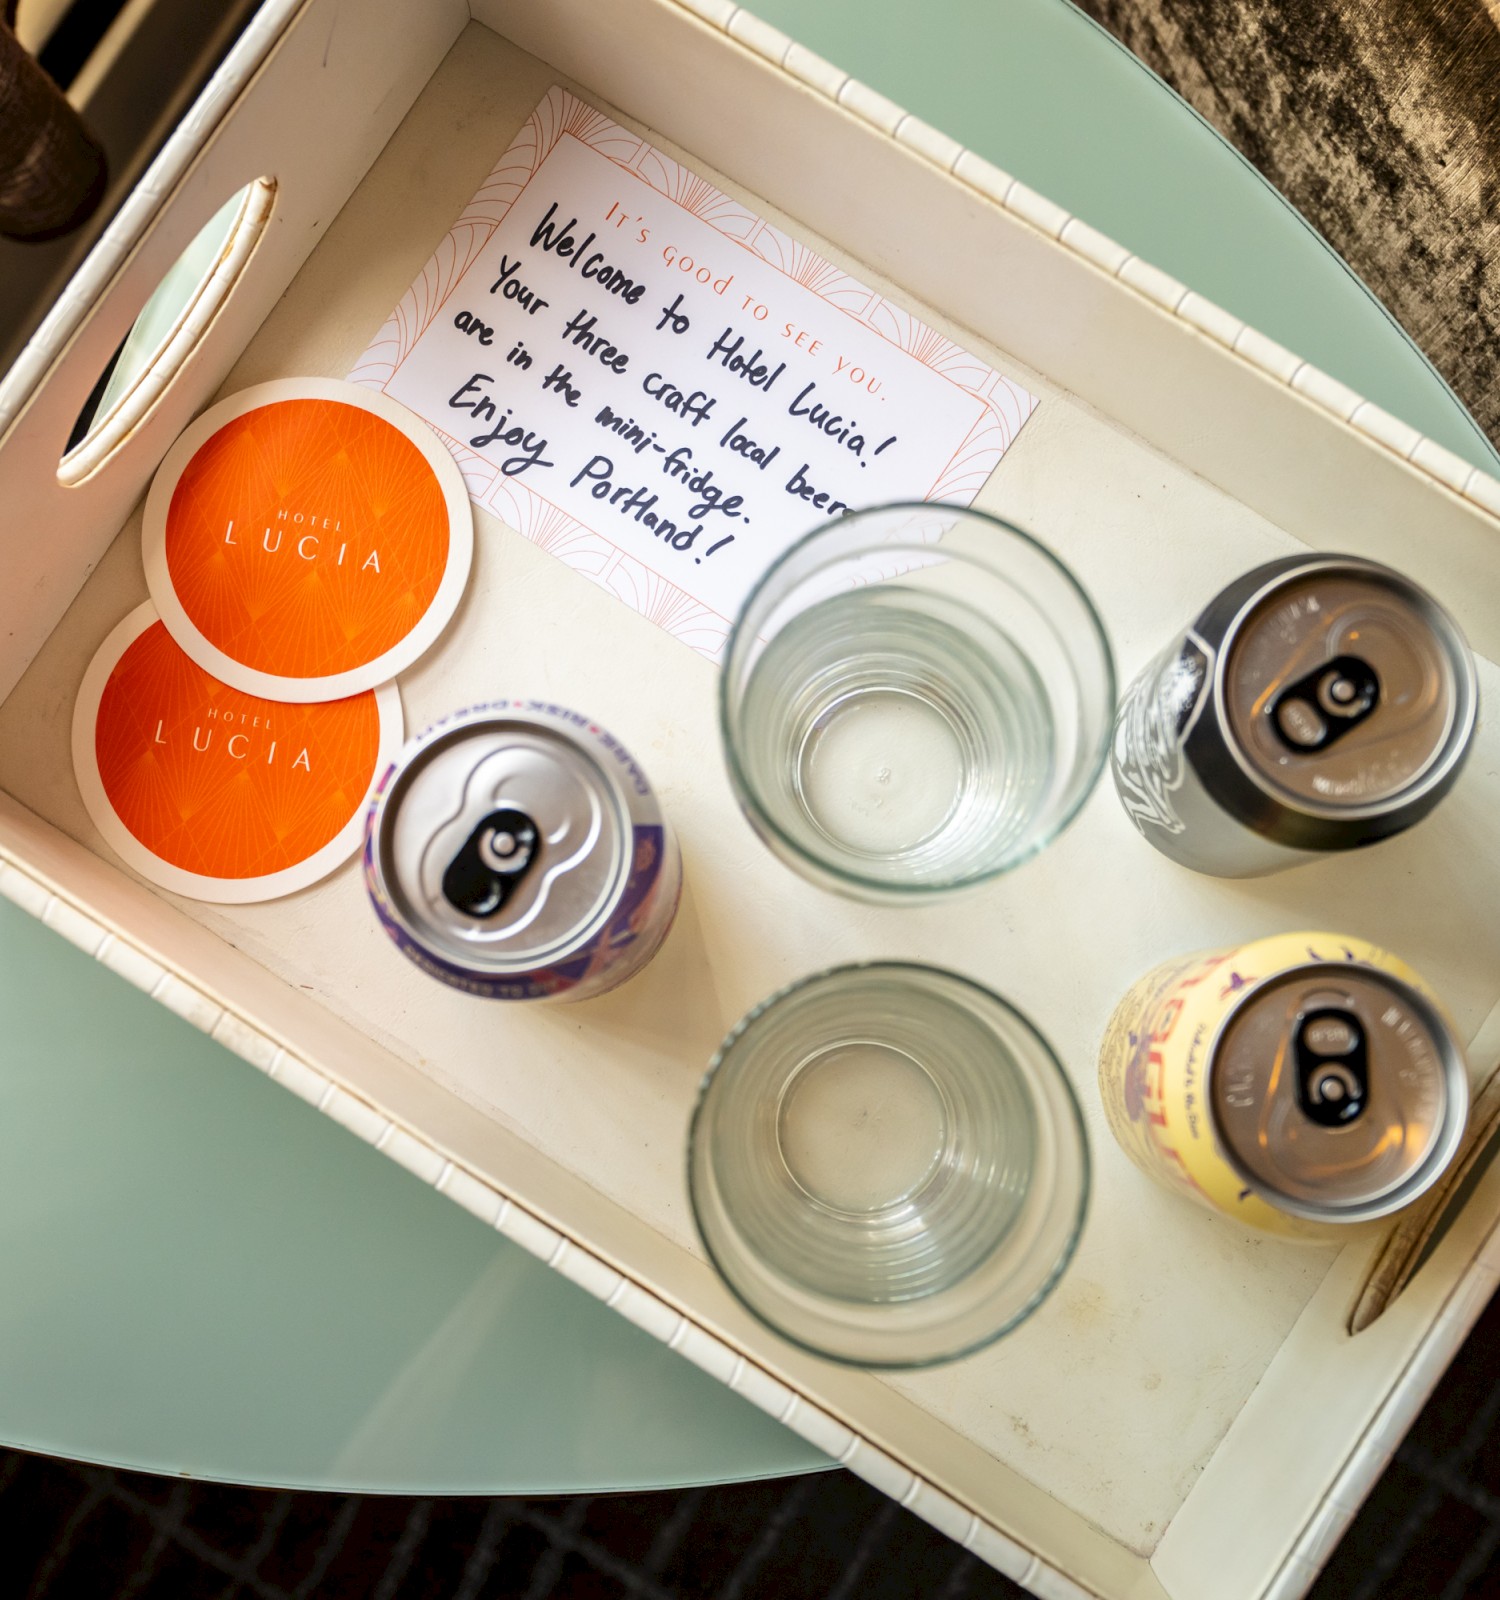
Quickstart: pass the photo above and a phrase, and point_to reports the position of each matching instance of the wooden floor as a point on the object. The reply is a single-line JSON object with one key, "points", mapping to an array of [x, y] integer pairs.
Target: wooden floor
{"points": [[1380, 121]]}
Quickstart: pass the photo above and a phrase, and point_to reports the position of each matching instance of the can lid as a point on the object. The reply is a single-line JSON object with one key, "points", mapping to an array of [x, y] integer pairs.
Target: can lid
{"points": [[501, 844], [1337, 1091], [1347, 689]]}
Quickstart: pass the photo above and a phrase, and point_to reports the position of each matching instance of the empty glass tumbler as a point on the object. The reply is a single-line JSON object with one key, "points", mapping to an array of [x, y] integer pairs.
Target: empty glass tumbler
{"points": [[887, 1164], [915, 698]]}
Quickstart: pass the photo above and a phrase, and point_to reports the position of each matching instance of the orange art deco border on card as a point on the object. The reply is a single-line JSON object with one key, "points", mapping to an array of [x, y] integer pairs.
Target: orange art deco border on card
{"points": [[1001, 405], [306, 539], [214, 793]]}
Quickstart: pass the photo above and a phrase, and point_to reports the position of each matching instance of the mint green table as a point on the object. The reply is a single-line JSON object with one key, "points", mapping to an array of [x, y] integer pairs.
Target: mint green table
{"points": [[200, 1274]]}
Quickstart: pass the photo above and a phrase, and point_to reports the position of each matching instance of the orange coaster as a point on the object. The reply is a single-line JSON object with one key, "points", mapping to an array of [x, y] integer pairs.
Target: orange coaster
{"points": [[307, 539], [214, 793]]}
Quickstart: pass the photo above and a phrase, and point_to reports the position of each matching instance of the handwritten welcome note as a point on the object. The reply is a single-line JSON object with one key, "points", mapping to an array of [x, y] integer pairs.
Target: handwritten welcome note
{"points": [[655, 384]]}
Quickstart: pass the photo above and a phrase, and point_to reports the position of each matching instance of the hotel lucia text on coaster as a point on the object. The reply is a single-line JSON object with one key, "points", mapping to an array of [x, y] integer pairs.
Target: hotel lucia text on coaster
{"points": [[774, 463]]}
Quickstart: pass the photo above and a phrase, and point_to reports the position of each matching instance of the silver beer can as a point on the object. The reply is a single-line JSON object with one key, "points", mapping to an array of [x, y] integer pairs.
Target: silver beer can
{"points": [[517, 851], [1318, 703]]}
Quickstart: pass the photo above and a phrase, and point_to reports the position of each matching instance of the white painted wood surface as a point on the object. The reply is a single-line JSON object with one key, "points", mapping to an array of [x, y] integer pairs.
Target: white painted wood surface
{"points": [[1172, 448]]}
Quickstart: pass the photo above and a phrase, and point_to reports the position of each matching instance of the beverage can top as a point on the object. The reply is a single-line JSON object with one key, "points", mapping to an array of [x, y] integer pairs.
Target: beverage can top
{"points": [[1338, 1092], [1347, 690], [501, 844]]}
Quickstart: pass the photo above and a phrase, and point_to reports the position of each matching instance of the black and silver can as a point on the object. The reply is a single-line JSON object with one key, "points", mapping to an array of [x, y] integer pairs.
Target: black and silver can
{"points": [[517, 851], [1319, 703]]}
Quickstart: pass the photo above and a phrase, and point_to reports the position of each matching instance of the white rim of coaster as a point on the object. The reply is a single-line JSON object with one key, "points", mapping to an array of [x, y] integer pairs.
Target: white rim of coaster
{"points": [[337, 685], [196, 885]]}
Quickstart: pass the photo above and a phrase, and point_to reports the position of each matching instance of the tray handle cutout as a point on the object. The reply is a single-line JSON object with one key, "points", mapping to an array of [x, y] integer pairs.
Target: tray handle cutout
{"points": [[169, 328]]}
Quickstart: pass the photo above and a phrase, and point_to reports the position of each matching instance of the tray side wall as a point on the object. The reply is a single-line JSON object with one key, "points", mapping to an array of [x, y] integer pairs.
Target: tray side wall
{"points": [[1187, 377], [571, 1227], [1305, 1398], [241, 1005], [377, 58]]}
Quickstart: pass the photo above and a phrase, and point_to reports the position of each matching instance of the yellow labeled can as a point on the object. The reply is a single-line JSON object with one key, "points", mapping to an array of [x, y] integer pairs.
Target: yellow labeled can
{"points": [[1299, 1083]]}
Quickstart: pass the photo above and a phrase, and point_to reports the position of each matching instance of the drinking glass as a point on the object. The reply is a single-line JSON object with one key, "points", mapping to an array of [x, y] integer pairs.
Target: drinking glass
{"points": [[914, 699], [887, 1164]]}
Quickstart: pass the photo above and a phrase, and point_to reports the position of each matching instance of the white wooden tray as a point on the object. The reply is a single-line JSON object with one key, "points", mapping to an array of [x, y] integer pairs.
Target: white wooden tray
{"points": [[1187, 1415]]}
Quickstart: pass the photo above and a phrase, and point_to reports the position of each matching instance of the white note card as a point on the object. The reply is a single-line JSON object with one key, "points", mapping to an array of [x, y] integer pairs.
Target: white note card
{"points": [[638, 373]]}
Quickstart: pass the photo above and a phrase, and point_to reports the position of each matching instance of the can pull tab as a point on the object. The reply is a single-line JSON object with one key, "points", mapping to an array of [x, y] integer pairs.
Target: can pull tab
{"points": [[1333, 1080], [494, 859], [1320, 708]]}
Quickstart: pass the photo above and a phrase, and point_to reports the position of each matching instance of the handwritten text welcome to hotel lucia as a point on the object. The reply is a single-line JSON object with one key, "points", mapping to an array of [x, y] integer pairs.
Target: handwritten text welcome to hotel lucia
{"points": [[636, 362]]}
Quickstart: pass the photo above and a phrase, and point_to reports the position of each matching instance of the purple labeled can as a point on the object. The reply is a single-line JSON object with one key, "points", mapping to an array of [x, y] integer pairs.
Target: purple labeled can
{"points": [[517, 851]]}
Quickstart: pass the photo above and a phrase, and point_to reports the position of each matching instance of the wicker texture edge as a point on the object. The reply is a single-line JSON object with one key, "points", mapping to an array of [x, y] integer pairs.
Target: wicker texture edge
{"points": [[511, 1217], [1437, 462], [1326, 1521], [1373, 1452], [504, 1212], [1370, 1456], [88, 285]]}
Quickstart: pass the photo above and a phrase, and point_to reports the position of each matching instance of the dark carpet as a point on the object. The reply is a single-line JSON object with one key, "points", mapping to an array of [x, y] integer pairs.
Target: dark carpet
{"points": [[1430, 1531], [1380, 119]]}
